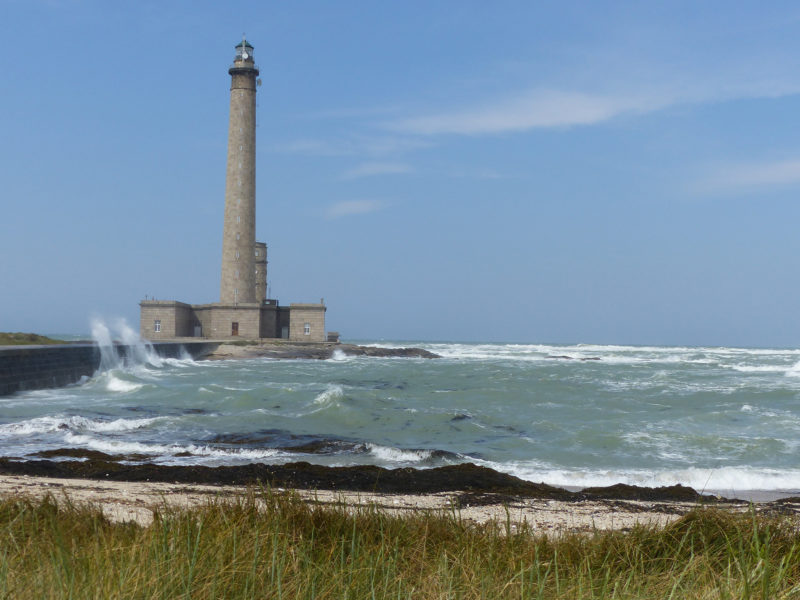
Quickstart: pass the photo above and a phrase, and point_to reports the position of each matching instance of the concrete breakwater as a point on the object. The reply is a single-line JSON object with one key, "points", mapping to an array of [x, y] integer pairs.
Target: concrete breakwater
{"points": [[38, 367]]}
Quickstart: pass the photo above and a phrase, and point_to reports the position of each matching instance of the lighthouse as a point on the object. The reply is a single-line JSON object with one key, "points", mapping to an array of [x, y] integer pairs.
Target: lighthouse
{"points": [[244, 311], [238, 281]]}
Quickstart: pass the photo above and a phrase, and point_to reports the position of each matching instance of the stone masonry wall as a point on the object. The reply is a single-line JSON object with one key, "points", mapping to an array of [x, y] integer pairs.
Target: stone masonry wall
{"points": [[176, 319], [38, 367], [248, 317], [311, 314], [238, 284]]}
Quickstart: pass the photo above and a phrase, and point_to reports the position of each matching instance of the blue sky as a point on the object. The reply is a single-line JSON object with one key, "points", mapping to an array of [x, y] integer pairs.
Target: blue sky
{"points": [[599, 172]]}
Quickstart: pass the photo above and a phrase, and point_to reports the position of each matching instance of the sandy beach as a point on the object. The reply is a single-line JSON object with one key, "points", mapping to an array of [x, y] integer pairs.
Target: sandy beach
{"points": [[124, 501]]}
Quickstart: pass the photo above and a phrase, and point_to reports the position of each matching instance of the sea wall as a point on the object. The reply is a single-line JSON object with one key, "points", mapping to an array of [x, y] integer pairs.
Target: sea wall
{"points": [[37, 367]]}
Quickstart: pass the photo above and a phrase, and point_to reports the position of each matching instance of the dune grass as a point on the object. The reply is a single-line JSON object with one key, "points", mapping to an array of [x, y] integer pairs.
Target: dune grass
{"points": [[26, 339], [276, 546]]}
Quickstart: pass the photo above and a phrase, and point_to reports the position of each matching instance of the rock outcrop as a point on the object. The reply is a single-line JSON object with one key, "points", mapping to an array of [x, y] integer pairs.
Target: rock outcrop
{"points": [[320, 351]]}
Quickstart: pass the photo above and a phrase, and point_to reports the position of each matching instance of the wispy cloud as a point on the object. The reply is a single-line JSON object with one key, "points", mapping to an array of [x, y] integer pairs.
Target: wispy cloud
{"points": [[370, 169], [529, 110], [744, 178], [353, 207], [552, 108]]}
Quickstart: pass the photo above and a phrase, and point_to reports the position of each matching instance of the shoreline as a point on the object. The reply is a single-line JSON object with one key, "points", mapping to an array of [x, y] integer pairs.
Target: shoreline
{"points": [[123, 501], [138, 501], [475, 494]]}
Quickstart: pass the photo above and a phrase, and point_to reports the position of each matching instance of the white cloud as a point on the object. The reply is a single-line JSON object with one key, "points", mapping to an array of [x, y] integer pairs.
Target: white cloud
{"points": [[353, 207], [549, 108], [369, 169], [747, 177], [533, 109]]}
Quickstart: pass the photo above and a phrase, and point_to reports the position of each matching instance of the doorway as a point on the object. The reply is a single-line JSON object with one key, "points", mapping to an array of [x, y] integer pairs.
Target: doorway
{"points": [[235, 328]]}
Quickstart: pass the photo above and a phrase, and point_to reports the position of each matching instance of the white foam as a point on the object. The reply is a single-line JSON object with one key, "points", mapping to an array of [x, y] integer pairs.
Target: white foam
{"points": [[181, 363], [167, 451], [122, 424], [139, 352], [115, 384], [721, 479], [611, 354], [240, 453], [332, 394], [338, 355], [61, 423], [794, 370], [758, 368], [396, 455]]}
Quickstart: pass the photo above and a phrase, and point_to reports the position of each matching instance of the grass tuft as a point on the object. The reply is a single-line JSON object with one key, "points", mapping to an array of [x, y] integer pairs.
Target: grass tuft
{"points": [[26, 339], [277, 546]]}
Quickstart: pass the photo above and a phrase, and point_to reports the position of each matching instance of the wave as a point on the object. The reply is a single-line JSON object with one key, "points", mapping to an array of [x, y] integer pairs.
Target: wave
{"points": [[163, 452], [794, 370], [75, 423], [397, 455], [339, 356], [133, 353], [331, 395], [720, 480], [115, 384], [758, 368]]}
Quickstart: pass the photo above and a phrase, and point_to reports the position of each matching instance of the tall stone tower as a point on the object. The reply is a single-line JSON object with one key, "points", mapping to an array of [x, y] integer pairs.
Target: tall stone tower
{"points": [[238, 283]]}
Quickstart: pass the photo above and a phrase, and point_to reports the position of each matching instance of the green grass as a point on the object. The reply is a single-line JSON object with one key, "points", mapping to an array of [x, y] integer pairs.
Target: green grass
{"points": [[25, 339], [271, 546]]}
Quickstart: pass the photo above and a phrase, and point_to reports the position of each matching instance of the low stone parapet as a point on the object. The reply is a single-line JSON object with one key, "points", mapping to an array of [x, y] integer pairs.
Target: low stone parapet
{"points": [[37, 367]]}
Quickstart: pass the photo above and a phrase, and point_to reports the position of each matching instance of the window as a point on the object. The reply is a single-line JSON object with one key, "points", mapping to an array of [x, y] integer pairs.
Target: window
{"points": [[237, 236], [238, 219], [237, 255], [237, 273], [257, 253], [235, 328], [157, 325], [307, 328]]}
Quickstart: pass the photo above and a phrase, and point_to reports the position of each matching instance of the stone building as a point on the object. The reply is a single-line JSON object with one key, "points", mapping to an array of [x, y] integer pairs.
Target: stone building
{"points": [[244, 310]]}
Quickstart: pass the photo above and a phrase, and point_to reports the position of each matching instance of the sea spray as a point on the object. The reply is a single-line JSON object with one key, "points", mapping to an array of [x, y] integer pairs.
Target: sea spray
{"points": [[124, 349], [109, 358]]}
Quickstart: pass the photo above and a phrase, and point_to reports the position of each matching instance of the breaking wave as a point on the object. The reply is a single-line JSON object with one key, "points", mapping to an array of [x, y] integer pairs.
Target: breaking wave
{"points": [[75, 423], [331, 395], [720, 480]]}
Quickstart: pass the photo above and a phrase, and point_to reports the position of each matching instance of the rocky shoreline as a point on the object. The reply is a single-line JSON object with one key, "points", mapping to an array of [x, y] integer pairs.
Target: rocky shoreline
{"points": [[466, 478], [316, 351]]}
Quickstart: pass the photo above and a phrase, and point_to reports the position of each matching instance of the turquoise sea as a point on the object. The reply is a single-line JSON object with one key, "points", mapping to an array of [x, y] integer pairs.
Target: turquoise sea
{"points": [[717, 419]]}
